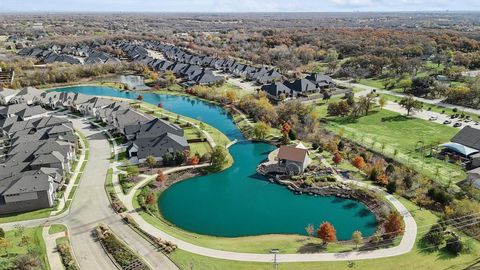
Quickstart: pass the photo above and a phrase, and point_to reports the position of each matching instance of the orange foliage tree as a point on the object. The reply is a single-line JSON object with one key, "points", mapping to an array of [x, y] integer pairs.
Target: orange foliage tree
{"points": [[393, 225], [327, 232], [161, 177], [358, 162], [382, 180], [150, 198]]}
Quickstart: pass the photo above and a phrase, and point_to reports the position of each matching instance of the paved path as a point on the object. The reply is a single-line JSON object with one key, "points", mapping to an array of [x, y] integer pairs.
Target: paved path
{"points": [[406, 244], [51, 247]]}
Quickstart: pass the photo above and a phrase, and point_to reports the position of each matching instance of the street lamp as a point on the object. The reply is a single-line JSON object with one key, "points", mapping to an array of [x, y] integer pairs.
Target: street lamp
{"points": [[275, 264]]}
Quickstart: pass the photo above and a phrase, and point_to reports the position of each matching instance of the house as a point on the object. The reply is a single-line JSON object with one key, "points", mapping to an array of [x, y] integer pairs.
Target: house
{"points": [[465, 144], [26, 193], [167, 143], [320, 80], [151, 129], [301, 86], [26, 95], [293, 158], [277, 89]]}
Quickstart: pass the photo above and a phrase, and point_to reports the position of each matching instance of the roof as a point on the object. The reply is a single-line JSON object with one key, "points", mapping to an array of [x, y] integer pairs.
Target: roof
{"points": [[301, 85], [469, 137], [292, 153], [460, 148], [29, 183]]}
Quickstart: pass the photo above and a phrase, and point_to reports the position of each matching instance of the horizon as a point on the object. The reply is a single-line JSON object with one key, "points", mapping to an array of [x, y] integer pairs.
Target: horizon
{"points": [[231, 6]]}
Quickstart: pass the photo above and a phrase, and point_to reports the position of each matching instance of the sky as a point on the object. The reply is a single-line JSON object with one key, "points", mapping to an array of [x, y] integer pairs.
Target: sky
{"points": [[237, 5]]}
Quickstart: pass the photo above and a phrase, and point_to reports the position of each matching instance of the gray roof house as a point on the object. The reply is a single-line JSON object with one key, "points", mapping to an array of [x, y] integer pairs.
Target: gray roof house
{"points": [[6, 94], [301, 86], [140, 149], [151, 129]]}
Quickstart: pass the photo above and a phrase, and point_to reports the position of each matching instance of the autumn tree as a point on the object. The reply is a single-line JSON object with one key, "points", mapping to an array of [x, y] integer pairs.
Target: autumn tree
{"points": [[170, 77], [337, 158], [366, 102], [410, 104], [358, 162], [382, 180], [310, 230], [393, 225], [357, 238], [231, 95], [150, 199], [327, 232], [161, 177]]}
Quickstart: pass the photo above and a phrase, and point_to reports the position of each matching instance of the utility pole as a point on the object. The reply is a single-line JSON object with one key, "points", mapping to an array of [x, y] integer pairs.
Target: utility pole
{"points": [[275, 264]]}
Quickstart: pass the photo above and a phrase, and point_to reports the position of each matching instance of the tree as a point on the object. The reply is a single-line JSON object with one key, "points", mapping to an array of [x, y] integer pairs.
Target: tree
{"points": [[405, 84], [410, 104], [219, 157], [132, 171], [337, 158], [2, 233], [358, 162], [357, 238], [160, 105], [140, 97], [310, 230], [382, 101], [435, 236], [454, 244], [5, 244], [391, 187], [421, 86], [382, 180], [151, 161], [161, 177], [393, 225], [150, 199], [260, 130], [366, 102], [231, 95], [194, 160], [170, 78], [327, 232]]}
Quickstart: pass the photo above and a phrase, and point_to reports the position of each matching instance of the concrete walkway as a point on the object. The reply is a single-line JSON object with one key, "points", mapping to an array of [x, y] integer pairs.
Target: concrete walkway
{"points": [[53, 255], [406, 244]]}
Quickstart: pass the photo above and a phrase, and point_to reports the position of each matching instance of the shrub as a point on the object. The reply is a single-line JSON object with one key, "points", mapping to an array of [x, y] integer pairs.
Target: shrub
{"points": [[454, 245], [391, 187]]}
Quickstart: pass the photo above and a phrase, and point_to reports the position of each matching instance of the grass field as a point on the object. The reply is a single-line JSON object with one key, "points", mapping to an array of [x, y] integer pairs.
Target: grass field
{"points": [[32, 239], [418, 258], [56, 228], [391, 133]]}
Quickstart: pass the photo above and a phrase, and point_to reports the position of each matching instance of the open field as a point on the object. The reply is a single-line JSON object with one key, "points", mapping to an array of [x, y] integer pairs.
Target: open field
{"points": [[400, 137]]}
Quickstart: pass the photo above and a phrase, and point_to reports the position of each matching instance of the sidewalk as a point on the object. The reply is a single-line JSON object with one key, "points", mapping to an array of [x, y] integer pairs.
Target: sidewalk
{"points": [[53, 255]]}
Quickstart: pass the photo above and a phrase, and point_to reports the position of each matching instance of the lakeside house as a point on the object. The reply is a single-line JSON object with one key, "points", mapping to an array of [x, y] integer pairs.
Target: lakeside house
{"points": [[294, 159]]}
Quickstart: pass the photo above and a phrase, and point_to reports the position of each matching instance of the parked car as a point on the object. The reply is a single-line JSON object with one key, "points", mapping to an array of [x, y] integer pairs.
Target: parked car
{"points": [[446, 122], [477, 123], [467, 120], [457, 124], [433, 118]]}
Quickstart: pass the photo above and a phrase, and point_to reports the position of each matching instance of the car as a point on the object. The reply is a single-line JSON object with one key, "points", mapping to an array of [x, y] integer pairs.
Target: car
{"points": [[476, 123], [457, 124], [467, 120], [433, 118], [446, 122]]}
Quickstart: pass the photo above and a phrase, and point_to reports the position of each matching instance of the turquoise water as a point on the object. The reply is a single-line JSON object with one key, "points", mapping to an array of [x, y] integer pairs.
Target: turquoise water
{"points": [[237, 201]]}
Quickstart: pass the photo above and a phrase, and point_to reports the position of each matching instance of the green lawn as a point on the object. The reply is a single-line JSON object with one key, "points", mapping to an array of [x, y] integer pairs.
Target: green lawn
{"points": [[200, 148], [405, 135], [418, 258], [32, 239], [56, 228]]}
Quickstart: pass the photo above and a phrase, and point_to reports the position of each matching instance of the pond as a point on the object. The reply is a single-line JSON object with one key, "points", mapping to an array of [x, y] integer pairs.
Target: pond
{"points": [[237, 201]]}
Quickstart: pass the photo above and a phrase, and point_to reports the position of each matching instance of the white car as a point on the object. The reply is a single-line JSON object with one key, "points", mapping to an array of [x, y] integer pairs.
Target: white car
{"points": [[433, 118]]}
